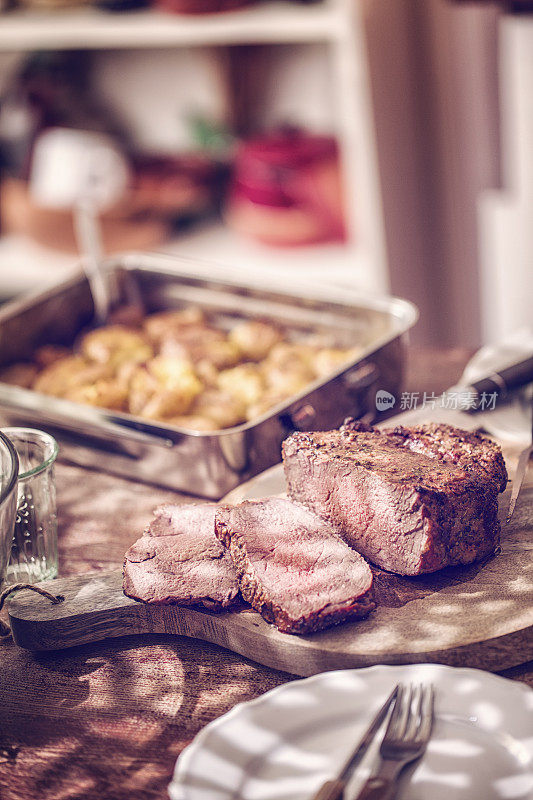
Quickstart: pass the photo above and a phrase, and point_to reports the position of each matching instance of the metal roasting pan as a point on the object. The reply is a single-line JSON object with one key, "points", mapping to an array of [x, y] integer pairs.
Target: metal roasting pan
{"points": [[207, 464]]}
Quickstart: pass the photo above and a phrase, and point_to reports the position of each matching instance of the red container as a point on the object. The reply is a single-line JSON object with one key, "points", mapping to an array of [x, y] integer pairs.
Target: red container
{"points": [[287, 190]]}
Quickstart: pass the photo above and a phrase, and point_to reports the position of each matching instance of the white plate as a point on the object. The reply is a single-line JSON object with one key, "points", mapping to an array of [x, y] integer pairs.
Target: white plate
{"points": [[282, 745]]}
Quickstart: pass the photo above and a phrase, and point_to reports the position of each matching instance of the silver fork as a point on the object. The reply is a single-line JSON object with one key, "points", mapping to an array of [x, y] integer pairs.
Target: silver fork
{"points": [[405, 740]]}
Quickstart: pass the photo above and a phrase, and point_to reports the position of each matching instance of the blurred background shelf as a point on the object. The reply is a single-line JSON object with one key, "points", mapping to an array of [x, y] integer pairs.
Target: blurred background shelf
{"points": [[443, 95], [316, 76], [90, 28], [27, 266], [343, 265]]}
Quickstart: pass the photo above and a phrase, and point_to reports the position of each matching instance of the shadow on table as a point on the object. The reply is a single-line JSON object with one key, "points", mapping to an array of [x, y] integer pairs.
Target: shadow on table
{"points": [[109, 720]]}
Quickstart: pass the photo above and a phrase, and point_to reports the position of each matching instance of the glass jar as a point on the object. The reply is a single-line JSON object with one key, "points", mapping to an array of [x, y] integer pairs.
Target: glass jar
{"points": [[34, 546], [9, 468]]}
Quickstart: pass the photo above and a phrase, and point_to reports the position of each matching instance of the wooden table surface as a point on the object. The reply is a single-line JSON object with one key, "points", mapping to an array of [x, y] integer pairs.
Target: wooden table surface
{"points": [[108, 720]]}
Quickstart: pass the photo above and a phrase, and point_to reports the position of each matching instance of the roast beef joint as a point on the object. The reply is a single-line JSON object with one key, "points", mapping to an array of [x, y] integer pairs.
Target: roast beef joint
{"points": [[408, 500]]}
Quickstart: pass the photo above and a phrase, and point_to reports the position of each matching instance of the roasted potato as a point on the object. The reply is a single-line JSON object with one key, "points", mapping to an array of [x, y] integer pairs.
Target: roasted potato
{"points": [[245, 383], [169, 402], [292, 356], [222, 355], [142, 386], [67, 373], [222, 408], [286, 383], [207, 372], [115, 345], [163, 388], [187, 340], [177, 367], [157, 326], [103, 393], [201, 343], [169, 371], [254, 339], [289, 368]]}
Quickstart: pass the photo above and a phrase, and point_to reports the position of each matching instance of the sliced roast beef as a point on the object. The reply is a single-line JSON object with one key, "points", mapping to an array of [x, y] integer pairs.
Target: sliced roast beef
{"points": [[180, 560], [411, 500], [188, 519], [292, 567]]}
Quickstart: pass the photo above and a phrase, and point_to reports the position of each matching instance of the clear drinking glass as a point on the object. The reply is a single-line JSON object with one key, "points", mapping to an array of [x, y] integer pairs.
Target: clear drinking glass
{"points": [[34, 546], [9, 467]]}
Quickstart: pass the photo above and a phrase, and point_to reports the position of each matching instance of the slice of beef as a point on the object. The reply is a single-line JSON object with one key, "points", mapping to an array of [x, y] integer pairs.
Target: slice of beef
{"points": [[180, 560], [411, 500], [292, 567], [188, 519]]}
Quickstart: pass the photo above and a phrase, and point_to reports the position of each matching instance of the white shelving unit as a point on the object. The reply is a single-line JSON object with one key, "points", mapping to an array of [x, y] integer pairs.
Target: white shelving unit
{"points": [[336, 263], [25, 265], [89, 28], [337, 23]]}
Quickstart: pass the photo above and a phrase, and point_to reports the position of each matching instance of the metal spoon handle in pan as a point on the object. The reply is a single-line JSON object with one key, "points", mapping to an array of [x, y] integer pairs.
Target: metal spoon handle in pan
{"points": [[89, 240]]}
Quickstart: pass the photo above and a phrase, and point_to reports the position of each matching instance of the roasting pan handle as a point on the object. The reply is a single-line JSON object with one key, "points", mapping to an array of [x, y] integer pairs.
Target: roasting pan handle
{"points": [[361, 377], [356, 380], [303, 417]]}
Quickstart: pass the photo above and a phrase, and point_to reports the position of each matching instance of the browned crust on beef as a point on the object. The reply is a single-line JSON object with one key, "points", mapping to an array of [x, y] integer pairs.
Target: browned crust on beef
{"points": [[479, 456], [411, 500]]}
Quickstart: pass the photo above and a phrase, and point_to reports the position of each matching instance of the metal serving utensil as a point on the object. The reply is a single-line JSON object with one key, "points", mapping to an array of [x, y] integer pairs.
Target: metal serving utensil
{"points": [[334, 789], [521, 470], [405, 740], [84, 172]]}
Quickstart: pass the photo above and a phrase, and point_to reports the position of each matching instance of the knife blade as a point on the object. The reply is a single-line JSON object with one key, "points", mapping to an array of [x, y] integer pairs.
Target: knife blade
{"points": [[334, 789], [520, 474], [521, 470]]}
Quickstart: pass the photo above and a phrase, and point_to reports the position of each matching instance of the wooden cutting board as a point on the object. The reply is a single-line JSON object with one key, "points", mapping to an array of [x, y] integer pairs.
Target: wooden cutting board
{"points": [[477, 616]]}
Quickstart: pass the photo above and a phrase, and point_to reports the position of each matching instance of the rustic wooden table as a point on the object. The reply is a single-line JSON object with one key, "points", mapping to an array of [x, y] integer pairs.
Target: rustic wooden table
{"points": [[108, 720]]}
